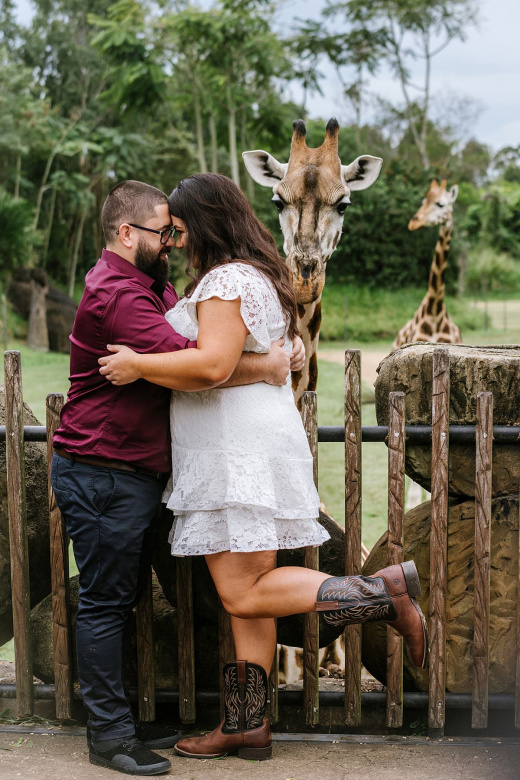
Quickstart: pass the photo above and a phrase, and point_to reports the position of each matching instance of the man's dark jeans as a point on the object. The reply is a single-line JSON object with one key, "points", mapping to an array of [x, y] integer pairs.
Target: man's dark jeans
{"points": [[108, 514]]}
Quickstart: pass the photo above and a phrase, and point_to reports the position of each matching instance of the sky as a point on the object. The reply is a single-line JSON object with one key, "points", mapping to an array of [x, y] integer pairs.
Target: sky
{"points": [[485, 68]]}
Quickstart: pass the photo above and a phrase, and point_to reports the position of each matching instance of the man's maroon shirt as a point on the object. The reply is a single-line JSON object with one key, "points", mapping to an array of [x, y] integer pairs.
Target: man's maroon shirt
{"points": [[120, 305]]}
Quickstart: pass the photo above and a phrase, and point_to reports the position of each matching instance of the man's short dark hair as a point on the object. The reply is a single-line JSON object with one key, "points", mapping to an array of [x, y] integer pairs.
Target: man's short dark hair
{"points": [[129, 201]]}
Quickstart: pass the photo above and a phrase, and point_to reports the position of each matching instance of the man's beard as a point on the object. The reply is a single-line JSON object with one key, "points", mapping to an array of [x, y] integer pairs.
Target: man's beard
{"points": [[150, 262]]}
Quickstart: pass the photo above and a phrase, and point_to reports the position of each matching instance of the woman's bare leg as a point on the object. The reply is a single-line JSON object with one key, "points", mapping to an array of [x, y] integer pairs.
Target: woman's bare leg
{"points": [[254, 592], [251, 587], [255, 640]]}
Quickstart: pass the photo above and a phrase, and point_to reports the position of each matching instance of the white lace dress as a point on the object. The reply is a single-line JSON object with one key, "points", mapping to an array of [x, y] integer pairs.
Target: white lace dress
{"points": [[242, 468]]}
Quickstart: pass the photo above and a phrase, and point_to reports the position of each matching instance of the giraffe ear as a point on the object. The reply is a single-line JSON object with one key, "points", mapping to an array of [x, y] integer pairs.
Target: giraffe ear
{"points": [[361, 173], [264, 168], [454, 191]]}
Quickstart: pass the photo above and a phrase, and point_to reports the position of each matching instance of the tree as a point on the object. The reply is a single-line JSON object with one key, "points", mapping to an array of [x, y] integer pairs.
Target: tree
{"points": [[405, 33]]}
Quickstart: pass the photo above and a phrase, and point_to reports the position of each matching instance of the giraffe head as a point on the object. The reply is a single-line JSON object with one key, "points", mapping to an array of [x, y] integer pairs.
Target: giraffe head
{"points": [[437, 206], [311, 193]]}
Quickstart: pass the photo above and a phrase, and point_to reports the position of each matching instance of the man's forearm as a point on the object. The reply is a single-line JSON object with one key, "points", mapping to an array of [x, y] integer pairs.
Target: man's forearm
{"points": [[252, 367]]}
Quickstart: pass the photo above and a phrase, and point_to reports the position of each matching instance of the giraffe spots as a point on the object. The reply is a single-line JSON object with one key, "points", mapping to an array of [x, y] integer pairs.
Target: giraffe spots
{"points": [[313, 372], [433, 282], [296, 378], [427, 328], [315, 322], [301, 311]]}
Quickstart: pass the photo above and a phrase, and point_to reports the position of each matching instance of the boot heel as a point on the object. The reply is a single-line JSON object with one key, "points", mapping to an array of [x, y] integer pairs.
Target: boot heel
{"points": [[412, 579], [256, 753]]}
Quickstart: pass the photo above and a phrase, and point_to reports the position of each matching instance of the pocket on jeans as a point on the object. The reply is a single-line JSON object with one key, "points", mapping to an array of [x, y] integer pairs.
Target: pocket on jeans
{"points": [[102, 489], [59, 485]]}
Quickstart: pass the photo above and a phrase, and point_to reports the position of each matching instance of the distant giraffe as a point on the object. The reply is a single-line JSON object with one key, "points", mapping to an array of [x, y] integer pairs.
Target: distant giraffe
{"points": [[431, 322], [311, 193]]}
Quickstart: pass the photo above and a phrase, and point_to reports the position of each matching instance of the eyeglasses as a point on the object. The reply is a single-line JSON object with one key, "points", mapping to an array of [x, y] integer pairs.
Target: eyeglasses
{"points": [[165, 235]]}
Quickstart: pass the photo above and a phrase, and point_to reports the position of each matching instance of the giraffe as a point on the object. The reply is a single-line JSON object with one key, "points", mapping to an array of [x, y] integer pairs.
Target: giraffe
{"points": [[431, 322], [311, 193]]}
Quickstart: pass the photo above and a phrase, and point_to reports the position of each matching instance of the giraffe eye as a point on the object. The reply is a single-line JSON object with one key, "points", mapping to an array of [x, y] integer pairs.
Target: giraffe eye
{"points": [[342, 207], [278, 202], [440, 205]]}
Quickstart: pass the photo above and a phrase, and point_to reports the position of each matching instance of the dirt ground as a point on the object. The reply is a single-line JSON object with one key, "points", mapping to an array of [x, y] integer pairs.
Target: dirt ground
{"points": [[65, 758], [369, 362]]}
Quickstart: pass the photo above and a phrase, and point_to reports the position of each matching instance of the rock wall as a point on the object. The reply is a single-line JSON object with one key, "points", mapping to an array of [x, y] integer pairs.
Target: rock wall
{"points": [[460, 595], [472, 370]]}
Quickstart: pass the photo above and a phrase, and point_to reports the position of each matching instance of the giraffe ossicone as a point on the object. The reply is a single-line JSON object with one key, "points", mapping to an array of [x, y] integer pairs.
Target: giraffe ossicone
{"points": [[431, 322], [311, 193]]}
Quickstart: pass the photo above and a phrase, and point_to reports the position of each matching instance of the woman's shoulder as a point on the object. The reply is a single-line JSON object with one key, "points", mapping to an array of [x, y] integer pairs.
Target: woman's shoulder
{"points": [[235, 272]]}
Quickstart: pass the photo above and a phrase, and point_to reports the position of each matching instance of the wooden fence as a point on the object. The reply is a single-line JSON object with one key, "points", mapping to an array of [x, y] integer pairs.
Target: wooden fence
{"points": [[439, 435]]}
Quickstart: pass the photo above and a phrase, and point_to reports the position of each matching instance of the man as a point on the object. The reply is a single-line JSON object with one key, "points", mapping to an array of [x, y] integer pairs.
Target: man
{"points": [[112, 451]]}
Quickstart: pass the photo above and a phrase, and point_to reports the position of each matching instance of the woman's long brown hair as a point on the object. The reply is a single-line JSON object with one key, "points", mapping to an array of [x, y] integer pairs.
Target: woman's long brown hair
{"points": [[221, 228]]}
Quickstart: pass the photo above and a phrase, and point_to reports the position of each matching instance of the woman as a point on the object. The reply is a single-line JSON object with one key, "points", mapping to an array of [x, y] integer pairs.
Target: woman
{"points": [[242, 484]]}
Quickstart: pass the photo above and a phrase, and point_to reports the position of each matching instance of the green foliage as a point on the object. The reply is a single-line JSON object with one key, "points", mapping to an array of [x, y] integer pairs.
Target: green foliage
{"points": [[494, 220], [16, 217], [489, 271]]}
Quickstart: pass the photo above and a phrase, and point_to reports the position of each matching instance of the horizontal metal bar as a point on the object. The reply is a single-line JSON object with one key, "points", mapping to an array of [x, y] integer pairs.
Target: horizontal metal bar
{"points": [[412, 699], [415, 434], [30, 433], [421, 434]]}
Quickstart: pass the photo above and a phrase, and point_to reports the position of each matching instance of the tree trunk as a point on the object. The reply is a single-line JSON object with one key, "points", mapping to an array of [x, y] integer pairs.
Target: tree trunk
{"points": [[214, 142], [38, 335], [232, 128], [250, 190], [75, 252], [200, 131], [50, 219]]}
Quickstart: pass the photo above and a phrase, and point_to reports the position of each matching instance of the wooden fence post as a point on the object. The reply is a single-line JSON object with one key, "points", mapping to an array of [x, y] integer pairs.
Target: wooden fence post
{"points": [[226, 648], [311, 625], [145, 655], [352, 633], [517, 685], [439, 541], [17, 509], [59, 550], [394, 642], [185, 640], [484, 449]]}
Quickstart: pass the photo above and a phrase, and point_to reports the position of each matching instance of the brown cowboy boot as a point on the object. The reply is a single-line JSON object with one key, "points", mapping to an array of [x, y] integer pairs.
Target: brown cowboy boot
{"points": [[389, 595], [245, 729]]}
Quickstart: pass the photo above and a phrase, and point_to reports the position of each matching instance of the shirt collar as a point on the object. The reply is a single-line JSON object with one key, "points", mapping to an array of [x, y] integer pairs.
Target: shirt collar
{"points": [[125, 267]]}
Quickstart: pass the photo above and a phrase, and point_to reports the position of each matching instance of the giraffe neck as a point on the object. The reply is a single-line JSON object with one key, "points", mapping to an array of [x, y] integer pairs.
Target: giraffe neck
{"points": [[309, 321], [436, 284]]}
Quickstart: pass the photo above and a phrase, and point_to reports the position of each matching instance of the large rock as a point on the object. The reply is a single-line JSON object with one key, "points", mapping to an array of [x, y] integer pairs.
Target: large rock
{"points": [[472, 370], [164, 637], [460, 597], [290, 629], [37, 524]]}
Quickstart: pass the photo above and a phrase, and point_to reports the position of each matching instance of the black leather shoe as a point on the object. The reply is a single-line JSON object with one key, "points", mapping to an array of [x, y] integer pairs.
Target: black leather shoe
{"points": [[153, 735], [129, 756], [156, 736]]}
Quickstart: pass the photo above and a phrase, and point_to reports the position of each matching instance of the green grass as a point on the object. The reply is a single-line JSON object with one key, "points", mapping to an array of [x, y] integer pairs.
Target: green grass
{"points": [[331, 459], [369, 314], [42, 373]]}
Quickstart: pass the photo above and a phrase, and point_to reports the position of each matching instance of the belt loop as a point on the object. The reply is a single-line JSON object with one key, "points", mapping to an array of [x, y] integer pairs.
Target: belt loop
{"points": [[73, 458]]}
